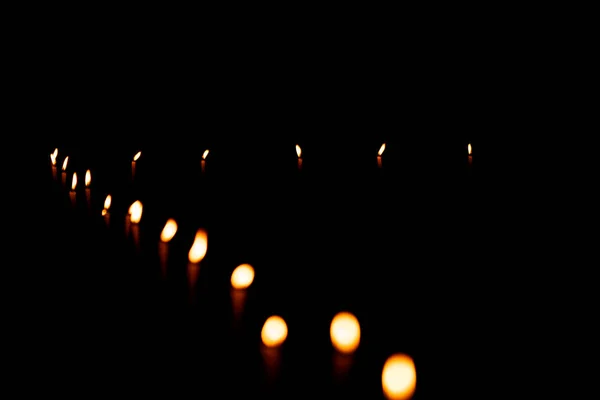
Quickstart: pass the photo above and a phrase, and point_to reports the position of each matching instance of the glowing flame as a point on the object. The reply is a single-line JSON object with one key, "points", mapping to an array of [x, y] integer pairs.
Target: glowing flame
{"points": [[104, 211], [205, 154], [274, 331], [135, 211], [137, 156], [74, 182], [345, 332], [169, 230], [107, 202], [381, 150], [242, 276], [298, 151], [199, 247], [399, 377], [53, 156], [88, 178], [469, 149], [64, 166]]}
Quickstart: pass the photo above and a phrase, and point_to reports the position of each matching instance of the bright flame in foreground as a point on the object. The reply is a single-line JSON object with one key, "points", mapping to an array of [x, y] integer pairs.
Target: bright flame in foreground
{"points": [[135, 211], [399, 377], [298, 151], [469, 149], [64, 166], [205, 154], [274, 331], [53, 156], [381, 150], [242, 276], [199, 247], [345, 332], [107, 202], [169, 230], [88, 178], [137, 156], [74, 182]]}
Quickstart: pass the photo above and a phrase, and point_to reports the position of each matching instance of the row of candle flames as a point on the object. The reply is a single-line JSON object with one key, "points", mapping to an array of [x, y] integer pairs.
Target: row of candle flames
{"points": [[398, 375]]}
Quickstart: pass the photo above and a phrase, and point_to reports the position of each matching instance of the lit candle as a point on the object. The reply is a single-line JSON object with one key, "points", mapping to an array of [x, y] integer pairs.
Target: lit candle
{"points": [[273, 334], [299, 153], [135, 215], [470, 154], [166, 235], [133, 163], [72, 193], [203, 161], [53, 156], [399, 377], [105, 210], [344, 332], [241, 279], [380, 154], [195, 255], [88, 181], [64, 170]]}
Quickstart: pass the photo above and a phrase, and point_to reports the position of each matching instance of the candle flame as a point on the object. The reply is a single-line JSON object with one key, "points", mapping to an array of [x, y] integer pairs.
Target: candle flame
{"points": [[104, 211], [345, 332], [469, 149], [135, 211], [205, 154], [381, 150], [88, 178], [242, 276], [199, 247], [298, 151], [274, 331], [107, 202], [169, 230], [137, 156], [53, 156], [399, 377], [64, 166], [74, 181]]}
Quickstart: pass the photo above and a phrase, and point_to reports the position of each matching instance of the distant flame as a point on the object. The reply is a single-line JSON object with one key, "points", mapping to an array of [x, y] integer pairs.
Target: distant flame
{"points": [[169, 230], [345, 332], [298, 151], [107, 202], [53, 156], [137, 156], [199, 247], [205, 154], [135, 211], [104, 211], [242, 276], [399, 377], [469, 149], [64, 166], [274, 331], [74, 182], [381, 150], [88, 178]]}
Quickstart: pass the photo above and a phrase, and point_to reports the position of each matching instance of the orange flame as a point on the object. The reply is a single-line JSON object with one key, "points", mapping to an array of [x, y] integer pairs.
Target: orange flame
{"points": [[205, 154], [135, 211], [168, 231], [74, 182], [64, 166], [88, 178], [137, 156], [242, 277], [274, 331], [381, 150], [107, 202], [345, 332], [399, 377], [469, 149], [199, 247], [53, 156], [298, 151]]}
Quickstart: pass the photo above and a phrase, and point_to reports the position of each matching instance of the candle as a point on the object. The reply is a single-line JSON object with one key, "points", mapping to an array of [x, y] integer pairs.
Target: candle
{"points": [[53, 156], [88, 181], [203, 161], [135, 215], [379, 155], [241, 279], [470, 154], [195, 255], [273, 334], [344, 332], [166, 235], [299, 153], [72, 193], [105, 210], [64, 170], [133, 163], [399, 377]]}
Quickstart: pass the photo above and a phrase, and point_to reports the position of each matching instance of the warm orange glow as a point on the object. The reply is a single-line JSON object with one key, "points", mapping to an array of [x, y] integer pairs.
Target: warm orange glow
{"points": [[399, 377], [205, 154], [469, 149], [298, 151], [137, 156], [74, 181], [381, 150], [88, 178], [168, 231], [64, 166], [107, 202], [274, 331], [135, 211], [345, 332], [199, 247], [242, 276], [53, 156]]}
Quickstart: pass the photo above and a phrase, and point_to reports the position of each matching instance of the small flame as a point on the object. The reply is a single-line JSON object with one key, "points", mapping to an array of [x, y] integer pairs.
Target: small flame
{"points": [[199, 247], [169, 230], [135, 211], [469, 149], [205, 154], [242, 276], [64, 166], [53, 156], [104, 211], [298, 151], [74, 182], [399, 377], [345, 332], [274, 331], [107, 202], [88, 178], [137, 156], [381, 150]]}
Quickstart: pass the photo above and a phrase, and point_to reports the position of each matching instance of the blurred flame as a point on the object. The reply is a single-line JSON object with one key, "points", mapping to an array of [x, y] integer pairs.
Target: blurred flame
{"points": [[399, 377], [469, 149], [205, 154], [104, 211], [88, 178], [242, 276], [345, 332], [274, 331], [64, 166], [107, 202], [137, 156], [53, 156], [169, 230], [298, 151], [135, 211], [381, 150], [199, 247], [74, 181]]}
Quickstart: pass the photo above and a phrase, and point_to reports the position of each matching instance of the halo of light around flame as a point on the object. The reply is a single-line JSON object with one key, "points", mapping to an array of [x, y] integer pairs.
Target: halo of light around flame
{"points": [[74, 181], [242, 277], [107, 202], [274, 331], [135, 211], [199, 247], [345, 332], [381, 150], [169, 230], [399, 377], [88, 178]]}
